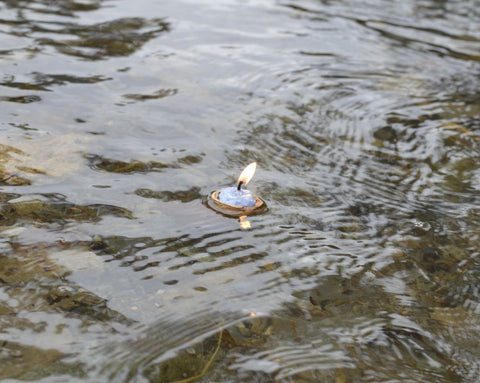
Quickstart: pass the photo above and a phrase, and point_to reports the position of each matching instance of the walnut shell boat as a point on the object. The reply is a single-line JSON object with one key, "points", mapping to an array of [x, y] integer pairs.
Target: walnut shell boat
{"points": [[235, 210]]}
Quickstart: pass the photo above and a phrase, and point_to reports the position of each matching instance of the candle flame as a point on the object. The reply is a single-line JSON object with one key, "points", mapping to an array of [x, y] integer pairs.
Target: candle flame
{"points": [[247, 173]]}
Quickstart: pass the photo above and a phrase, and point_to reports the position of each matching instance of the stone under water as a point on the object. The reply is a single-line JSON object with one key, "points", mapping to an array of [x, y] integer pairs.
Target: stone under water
{"points": [[233, 196]]}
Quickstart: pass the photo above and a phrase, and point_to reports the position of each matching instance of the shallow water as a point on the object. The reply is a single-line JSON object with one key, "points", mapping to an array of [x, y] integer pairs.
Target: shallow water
{"points": [[118, 119]]}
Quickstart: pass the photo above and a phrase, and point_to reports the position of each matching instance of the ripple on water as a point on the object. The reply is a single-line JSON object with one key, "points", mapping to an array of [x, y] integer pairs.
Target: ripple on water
{"points": [[364, 121]]}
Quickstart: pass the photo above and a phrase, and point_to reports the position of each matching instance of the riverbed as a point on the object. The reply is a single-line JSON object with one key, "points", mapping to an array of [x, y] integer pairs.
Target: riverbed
{"points": [[119, 118]]}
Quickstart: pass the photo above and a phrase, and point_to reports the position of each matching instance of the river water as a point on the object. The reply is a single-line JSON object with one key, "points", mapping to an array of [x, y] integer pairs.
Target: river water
{"points": [[119, 118]]}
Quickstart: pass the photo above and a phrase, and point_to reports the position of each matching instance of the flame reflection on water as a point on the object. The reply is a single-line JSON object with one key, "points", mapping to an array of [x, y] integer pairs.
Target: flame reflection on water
{"points": [[244, 222]]}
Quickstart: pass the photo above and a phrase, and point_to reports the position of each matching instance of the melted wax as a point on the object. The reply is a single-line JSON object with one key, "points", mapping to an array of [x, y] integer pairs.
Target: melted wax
{"points": [[234, 197]]}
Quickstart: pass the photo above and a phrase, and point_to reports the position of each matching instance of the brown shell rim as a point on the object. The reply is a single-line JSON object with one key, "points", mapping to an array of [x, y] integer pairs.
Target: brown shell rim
{"points": [[238, 210]]}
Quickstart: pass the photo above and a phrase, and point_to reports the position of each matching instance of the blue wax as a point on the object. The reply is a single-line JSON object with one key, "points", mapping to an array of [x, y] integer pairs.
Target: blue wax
{"points": [[234, 197]]}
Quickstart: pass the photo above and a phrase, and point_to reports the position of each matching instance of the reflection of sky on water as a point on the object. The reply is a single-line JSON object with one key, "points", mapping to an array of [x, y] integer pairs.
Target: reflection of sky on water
{"points": [[120, 118]]}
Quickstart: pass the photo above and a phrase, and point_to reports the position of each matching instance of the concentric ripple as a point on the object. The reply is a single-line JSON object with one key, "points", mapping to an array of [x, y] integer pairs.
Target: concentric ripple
{"points": [[118, 121]]}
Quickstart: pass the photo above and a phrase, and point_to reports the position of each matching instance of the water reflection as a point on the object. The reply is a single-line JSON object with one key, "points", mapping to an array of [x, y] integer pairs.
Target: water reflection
{"points": [[115, 166], [98, 41], [65, 8], [42, 81], [120, 37], [364, 119]]}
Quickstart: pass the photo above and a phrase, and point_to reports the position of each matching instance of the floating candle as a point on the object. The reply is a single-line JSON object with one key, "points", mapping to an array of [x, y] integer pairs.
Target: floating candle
{"points": [[238, 201], [239, 196]]}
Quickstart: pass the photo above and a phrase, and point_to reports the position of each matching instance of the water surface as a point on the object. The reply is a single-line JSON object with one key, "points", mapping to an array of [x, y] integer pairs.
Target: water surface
{"points": [[118, 119]]}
